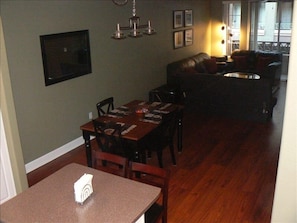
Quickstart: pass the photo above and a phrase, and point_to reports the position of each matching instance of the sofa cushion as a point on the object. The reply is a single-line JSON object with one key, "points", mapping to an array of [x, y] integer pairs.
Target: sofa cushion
{"points": [[240, 62], [211, 65], [187, 63], [199, 58], [200, 68], [262, 63], [190, 70]]}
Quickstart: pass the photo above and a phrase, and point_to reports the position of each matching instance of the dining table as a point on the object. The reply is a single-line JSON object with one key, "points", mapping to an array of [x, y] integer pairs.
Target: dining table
{"points": [[139, 118], [114, 199]]}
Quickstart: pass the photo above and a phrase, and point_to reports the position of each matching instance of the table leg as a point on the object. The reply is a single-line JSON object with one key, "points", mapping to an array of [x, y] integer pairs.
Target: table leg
{"points": [[139, 154], [86, 136], [180, 131], [136, 157], [138, 148]]}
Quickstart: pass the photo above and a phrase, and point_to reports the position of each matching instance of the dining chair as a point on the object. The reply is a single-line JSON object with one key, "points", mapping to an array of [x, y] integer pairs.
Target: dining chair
{"points": [[157, 177], [105, 106], [110, 163], [163, 137], [108, 137]]}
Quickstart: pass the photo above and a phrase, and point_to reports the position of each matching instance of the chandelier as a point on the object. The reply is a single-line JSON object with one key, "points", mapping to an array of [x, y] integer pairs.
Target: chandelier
{"points": [[134, 25]]}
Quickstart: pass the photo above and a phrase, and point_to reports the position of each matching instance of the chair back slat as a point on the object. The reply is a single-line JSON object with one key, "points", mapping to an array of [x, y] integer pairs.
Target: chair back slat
{"points": [[154, 176], [108, 137], [110, 163], [163, 136], [169, 123], [107, 104]]}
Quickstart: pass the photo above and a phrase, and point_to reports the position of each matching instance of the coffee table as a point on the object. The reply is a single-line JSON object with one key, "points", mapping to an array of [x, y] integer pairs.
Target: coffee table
{"points": [[242, 75]]}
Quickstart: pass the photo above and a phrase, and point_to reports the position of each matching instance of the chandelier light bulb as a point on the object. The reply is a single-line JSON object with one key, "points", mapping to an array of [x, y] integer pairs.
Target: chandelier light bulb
{"points": [[118, 34]]}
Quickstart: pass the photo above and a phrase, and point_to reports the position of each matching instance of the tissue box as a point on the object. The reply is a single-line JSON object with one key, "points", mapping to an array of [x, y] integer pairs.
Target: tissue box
{"points": [[83, 188]]}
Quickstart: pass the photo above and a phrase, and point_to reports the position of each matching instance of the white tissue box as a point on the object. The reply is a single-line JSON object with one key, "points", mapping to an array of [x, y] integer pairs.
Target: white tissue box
{"points": [[83, 188]]}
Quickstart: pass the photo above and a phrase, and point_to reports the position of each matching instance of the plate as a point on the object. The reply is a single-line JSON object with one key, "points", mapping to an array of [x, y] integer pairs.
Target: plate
{"points": [[148, 115], [109, 131]]}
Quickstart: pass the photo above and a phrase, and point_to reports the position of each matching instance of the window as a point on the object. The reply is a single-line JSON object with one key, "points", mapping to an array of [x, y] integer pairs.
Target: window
{"points": [[271, 24]]}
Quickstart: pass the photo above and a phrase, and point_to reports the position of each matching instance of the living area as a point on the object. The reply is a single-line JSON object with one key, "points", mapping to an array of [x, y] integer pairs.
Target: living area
{"points": [[46, 119], [243, 86]]}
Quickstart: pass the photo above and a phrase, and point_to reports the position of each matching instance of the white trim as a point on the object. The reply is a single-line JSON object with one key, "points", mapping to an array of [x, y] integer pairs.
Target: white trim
{"points": [[53, 154]]}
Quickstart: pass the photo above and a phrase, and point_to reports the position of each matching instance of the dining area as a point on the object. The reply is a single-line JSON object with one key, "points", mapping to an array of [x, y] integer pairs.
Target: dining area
{"points": [[139, 127], [114, 199], [124, 188]]}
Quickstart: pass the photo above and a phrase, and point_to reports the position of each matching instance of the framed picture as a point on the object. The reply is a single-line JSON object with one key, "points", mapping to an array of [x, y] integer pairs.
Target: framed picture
{"points": [[65, 56], [178, 39], [188, 37], [178, 19], [188, 17]]}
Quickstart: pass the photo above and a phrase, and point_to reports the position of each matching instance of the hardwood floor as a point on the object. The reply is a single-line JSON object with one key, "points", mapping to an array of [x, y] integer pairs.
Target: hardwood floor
{"points": [[226, 172]]}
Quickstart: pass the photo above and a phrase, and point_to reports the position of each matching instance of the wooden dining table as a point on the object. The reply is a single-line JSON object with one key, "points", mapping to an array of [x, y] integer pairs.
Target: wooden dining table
{"points": [[138, 125], [114, 199]]}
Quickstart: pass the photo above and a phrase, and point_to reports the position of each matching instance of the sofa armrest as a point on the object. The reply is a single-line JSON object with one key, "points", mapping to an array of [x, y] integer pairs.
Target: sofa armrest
{"points": [[277, 64], [271, 71]]}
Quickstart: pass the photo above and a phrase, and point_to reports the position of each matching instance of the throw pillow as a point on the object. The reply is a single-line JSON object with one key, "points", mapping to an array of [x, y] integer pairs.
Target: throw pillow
{"points": [[262, 63], [240, 63], [211, 65]]}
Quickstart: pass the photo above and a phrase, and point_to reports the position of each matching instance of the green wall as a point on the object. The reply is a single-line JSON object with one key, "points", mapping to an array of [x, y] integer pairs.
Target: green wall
{"points": [[49, 117]]}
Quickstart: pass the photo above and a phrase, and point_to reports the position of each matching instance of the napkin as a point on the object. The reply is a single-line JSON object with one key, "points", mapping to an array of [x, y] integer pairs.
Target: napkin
{"points": [[128, 129], [165, 106], [83, 188], [160, 111]]}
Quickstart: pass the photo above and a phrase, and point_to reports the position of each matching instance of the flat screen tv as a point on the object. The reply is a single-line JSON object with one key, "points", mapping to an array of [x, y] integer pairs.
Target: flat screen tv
{"points": [[65, 56]]}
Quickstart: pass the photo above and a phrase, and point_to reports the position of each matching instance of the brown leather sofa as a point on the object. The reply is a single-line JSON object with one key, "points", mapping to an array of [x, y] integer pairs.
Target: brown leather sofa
{"points": [[265, 64], [206, 89]]}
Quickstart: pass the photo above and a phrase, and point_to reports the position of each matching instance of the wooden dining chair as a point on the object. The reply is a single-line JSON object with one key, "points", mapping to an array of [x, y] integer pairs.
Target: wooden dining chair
{"points": [[105, 106], [163, 137], [155, 176], [108, 137], [110, 163]]}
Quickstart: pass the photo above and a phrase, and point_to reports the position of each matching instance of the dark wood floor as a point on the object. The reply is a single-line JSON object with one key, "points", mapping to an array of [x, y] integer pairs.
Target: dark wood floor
{"points": [[226, 172]]}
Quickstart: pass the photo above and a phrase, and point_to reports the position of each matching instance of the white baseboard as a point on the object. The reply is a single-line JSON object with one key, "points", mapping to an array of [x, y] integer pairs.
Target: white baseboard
{"points": [[53, 155]]}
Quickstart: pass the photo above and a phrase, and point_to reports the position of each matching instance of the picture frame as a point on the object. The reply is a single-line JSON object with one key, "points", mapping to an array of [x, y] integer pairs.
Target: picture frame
{"points": [[188, 37], [178, 39], [178, 19], [188, 17]]}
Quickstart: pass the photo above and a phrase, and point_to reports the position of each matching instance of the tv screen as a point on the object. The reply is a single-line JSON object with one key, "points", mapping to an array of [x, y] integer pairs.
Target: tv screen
{"points": [[65, 56]]}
